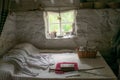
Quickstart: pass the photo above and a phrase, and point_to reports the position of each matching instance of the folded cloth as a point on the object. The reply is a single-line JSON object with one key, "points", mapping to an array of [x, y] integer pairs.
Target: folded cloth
{"points": [[43, 62], [24, 60]]}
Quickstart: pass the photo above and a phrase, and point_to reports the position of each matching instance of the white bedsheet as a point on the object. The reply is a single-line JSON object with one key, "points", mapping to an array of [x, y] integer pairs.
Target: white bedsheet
{"points": [[29, 56], [59, 57]]}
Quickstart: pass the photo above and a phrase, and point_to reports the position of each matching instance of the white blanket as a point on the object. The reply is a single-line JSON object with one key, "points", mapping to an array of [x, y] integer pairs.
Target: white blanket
{"points": [[23, 60], [28, 63]]}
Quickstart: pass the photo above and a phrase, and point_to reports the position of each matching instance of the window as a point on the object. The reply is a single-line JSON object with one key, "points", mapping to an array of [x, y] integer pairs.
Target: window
{"points": [[60, 24]]}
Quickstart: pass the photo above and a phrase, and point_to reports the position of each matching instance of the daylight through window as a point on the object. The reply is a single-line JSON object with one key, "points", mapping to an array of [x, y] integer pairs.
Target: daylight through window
{"points": [[60, 24]]}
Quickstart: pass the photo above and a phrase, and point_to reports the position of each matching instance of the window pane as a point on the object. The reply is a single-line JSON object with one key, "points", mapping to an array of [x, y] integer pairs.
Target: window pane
{"points": [[53, 17], [60, 24], [66, 28], [54, 28], [67, 17]]}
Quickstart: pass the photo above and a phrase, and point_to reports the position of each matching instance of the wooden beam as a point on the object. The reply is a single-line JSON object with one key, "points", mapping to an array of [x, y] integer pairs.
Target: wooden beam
{"points": [[71, 1], [35, 0], [17, 1], [52, 1]]}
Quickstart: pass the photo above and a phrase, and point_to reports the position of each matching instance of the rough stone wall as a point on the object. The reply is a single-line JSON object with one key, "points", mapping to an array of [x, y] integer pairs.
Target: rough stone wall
{"points": [[30, 28], [96, 27], [8, 35]]}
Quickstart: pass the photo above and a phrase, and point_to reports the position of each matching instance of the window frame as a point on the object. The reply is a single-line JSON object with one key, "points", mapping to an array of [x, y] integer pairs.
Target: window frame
{"points": [[47, 23]]}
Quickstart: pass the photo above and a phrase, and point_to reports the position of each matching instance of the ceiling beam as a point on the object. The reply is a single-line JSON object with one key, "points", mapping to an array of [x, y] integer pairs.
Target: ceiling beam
{"points": [[71, 1], [35, 0], [17, 1], [52, 1]]}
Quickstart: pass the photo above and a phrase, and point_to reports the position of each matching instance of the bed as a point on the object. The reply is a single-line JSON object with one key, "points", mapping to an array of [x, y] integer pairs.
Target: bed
{"points": [[26, 62]]}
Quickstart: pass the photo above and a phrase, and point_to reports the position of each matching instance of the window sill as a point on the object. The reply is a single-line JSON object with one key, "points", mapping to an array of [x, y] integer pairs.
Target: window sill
{"points": [[64, 37]]}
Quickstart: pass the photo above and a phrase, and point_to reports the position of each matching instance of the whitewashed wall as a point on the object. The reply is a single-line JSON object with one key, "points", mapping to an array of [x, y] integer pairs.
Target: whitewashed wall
{"points": [[8, 35], [97, 26], [30, 28]]}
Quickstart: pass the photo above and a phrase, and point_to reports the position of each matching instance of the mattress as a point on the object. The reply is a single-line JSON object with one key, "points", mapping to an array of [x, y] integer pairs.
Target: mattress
{"points": [[25, 62], [43, 74]]}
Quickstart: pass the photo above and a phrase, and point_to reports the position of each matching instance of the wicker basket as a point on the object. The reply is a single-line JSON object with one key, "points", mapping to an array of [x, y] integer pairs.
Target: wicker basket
{"points": [[99, 5], [87, 54]]}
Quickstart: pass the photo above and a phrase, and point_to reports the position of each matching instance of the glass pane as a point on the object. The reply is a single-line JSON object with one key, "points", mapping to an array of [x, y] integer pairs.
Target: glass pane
{"points": [[54, 28], [67, 16], [53, 17], [66, 28]]}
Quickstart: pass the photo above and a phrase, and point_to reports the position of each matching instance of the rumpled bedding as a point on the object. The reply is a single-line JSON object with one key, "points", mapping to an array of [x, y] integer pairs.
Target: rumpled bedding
{"points": [[26, 56], [26, 62], [6, 71]]}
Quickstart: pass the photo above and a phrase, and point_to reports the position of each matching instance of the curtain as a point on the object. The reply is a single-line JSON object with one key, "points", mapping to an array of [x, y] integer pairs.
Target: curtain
{"points": [[115, 53], [4, 9]]}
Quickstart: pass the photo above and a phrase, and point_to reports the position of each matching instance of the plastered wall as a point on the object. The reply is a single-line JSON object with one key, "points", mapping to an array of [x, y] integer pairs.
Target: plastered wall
{"points": [[8, 35], [95, 26]]}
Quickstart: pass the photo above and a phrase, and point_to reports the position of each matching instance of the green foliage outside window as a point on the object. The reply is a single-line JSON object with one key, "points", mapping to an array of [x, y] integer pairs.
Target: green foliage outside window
{"points": [[61, 21]]}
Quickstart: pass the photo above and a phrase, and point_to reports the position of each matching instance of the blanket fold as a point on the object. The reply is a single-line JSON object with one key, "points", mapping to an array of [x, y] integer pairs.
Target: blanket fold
{"points": [[24, 60]]}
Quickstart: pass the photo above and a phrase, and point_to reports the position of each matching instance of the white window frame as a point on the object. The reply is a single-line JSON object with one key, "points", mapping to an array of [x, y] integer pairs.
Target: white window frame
{"points": [[47, 25]]}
